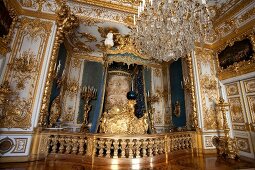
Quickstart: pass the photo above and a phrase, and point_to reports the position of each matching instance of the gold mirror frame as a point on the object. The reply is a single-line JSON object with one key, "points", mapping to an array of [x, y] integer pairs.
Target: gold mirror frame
{"points": [[239, 68], [6, 40]]}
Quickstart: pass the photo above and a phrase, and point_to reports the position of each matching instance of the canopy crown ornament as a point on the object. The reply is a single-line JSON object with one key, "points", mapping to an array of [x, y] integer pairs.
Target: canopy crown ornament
{"points": [[168, 29]]}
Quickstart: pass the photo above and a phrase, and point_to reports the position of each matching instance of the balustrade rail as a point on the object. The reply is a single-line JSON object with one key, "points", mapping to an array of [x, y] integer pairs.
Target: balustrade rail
{"points": [[120, 146]]}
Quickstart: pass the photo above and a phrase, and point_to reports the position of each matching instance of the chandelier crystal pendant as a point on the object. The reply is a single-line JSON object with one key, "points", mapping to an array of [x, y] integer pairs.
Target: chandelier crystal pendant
{"points": [[168, 29]]}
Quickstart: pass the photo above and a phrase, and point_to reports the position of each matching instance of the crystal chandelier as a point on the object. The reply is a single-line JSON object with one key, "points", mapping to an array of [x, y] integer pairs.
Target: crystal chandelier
{"points": [[168, 29]]}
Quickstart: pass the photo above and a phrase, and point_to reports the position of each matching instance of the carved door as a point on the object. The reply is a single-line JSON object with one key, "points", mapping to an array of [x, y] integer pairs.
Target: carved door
{"points": [[241, 98]]}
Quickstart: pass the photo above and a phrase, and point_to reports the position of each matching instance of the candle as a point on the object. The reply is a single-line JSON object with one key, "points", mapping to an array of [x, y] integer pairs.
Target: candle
{"points": [[58, 67], [134, 20], [220, 91], [132, 85], [148, 93]]}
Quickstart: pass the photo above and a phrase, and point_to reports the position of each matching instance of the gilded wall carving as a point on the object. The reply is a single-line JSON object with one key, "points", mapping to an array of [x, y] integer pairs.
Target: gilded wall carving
{"points": [[232, 89], [23, 71], [236, 110], [71, 90], [251, 102], [208, 141], [212, 118], [243, 144], [249, 86], [20, 145], [233, 24], [157, 91]]}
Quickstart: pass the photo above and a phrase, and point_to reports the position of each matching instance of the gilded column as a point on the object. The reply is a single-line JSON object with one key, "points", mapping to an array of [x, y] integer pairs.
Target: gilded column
{"points": [[192, 92], [66, 23]]}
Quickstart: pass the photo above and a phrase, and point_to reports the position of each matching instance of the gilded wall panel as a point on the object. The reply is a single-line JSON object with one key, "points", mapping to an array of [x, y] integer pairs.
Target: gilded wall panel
{"points": [[251, 102], [21, 144], [23, 71], [208, 141], [232, 89], [72, 90], [249, 86], [212, 119], [236, 110], [157, 90], [243, 144], [239, 127]]}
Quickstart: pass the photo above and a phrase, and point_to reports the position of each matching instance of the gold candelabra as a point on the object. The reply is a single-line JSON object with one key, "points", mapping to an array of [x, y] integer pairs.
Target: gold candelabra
{"points": [[88, 93], [226, 146]]}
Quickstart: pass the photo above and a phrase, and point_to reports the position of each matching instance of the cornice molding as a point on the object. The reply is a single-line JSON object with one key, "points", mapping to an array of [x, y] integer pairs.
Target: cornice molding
{"points": [[30, 13], [232, 12], [109, 5]]}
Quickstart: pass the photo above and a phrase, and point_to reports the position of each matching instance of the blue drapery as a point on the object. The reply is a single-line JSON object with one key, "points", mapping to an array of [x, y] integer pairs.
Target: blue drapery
{"points": [[55, 91], [92, 76], [139, 89], [177, 92]]}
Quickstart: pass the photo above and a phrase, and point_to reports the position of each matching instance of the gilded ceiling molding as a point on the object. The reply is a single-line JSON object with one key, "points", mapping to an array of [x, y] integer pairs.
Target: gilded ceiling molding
{"points": [[233, 36], [228, 14], [88, 57], [21, 11], [66, 23], [110, 5]]}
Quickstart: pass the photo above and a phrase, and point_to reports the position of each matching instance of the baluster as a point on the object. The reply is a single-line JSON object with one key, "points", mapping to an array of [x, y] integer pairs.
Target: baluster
{"points": [[49, 143], [137, 146], [175, 144], [186, 144], [190, 142], [81, 146], [150, 144], [90, 150], [54, 144], [68, 145], [108, 148], [62, 144], [171, 144], [101, 147], [178, 145], [123, 148], [115, 148], [161, 146], [182, 143], [75, 145], [155, 146], [130, 148], [144, 147]]}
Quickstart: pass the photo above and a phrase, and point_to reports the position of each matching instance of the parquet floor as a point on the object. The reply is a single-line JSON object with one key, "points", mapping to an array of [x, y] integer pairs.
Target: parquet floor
{"points": [[207, 162]]}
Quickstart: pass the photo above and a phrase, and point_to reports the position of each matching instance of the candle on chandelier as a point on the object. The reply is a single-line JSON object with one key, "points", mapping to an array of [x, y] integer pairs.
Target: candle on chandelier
{"points": [[220, 90], [132, 85], [148, 93], [58, 68], [134, 19]]}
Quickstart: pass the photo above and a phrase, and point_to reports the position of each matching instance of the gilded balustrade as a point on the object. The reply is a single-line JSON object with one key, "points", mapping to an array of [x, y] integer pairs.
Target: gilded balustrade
{"points": [[120, 146]]}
